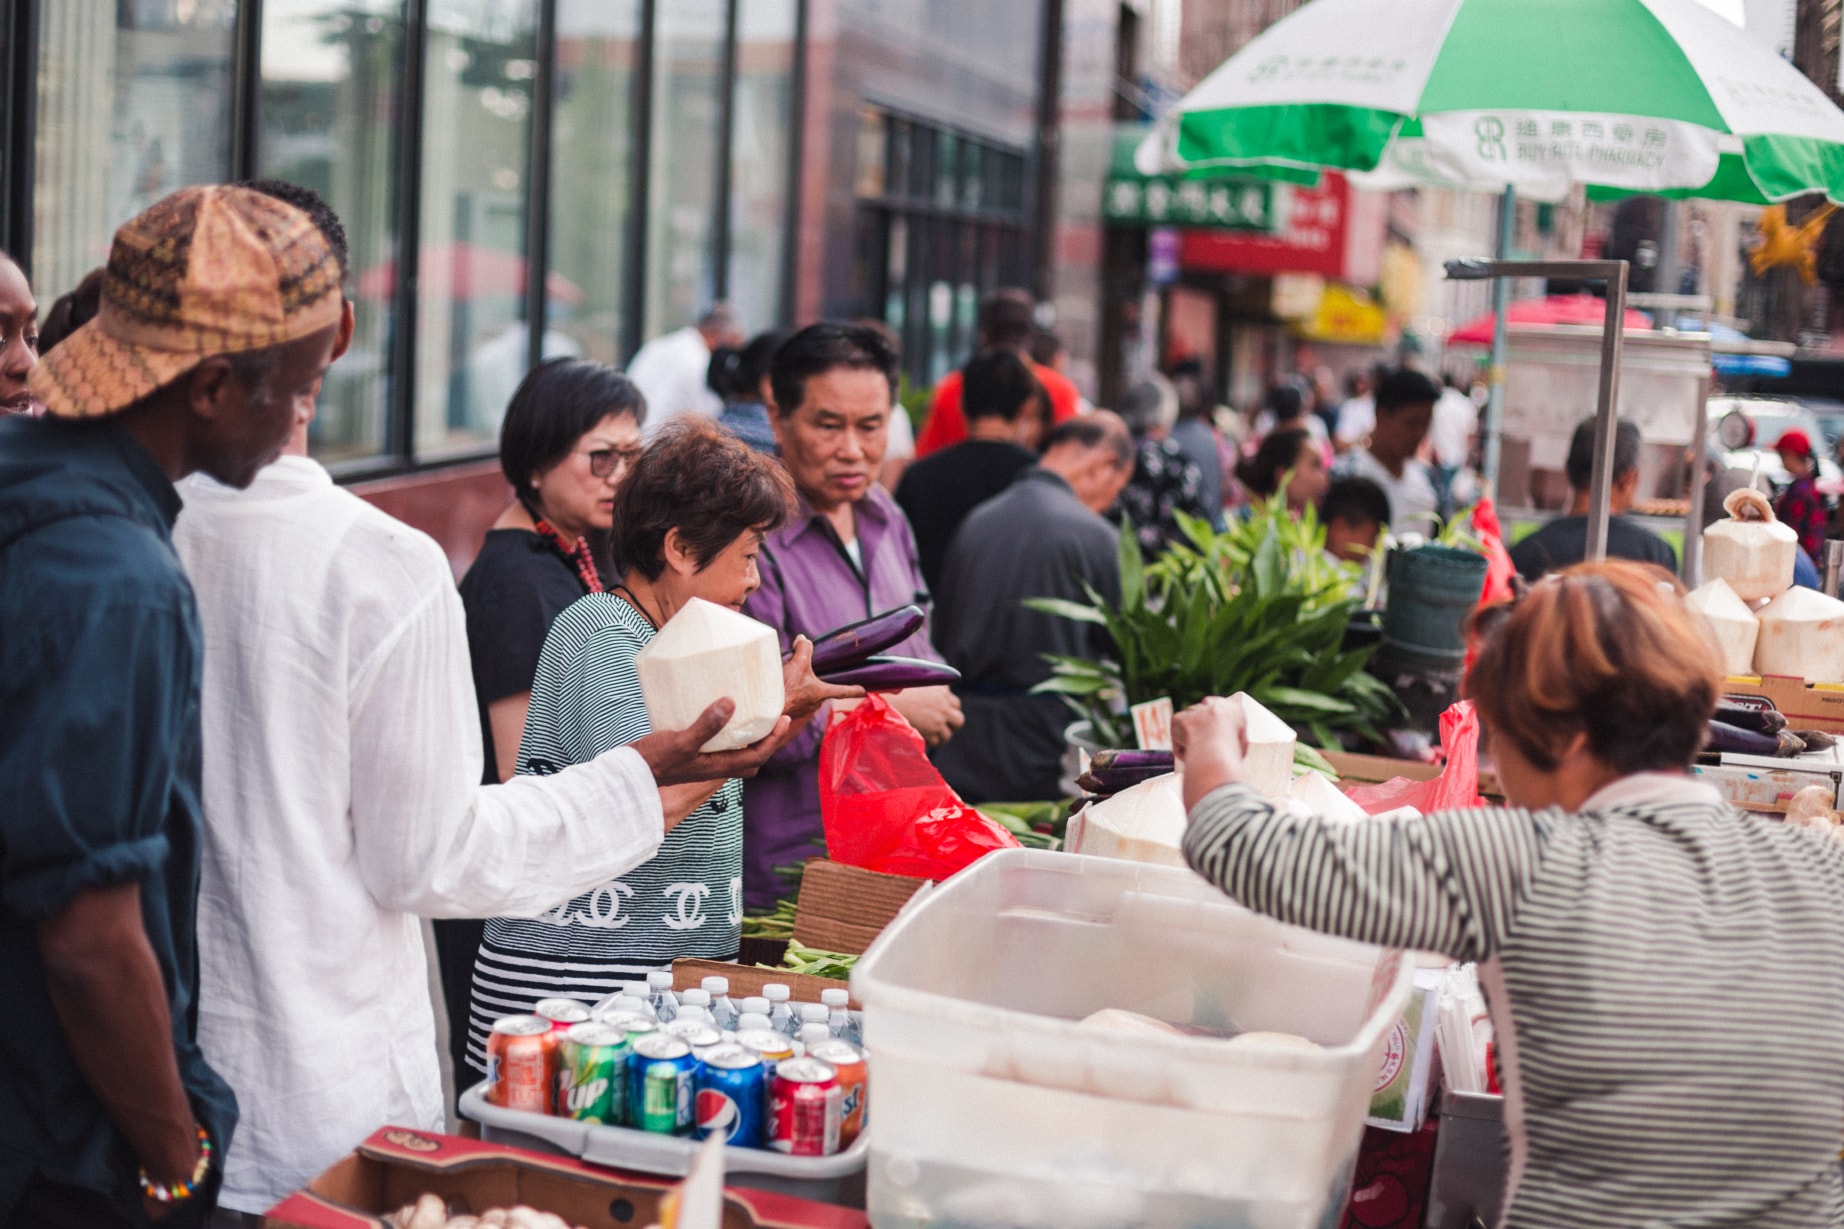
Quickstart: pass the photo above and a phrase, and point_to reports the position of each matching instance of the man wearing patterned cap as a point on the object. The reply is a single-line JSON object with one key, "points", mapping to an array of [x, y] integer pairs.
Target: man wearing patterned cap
{"points": [[219, 310]]}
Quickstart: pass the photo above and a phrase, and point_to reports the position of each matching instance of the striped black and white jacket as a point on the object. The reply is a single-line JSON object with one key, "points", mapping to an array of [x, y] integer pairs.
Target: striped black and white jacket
{"points": [[1665, 976], [686, 901]]}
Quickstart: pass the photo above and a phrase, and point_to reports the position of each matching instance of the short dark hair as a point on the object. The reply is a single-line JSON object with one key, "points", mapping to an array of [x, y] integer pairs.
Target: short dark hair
{"points": [[1355, 501], [556, 404], [828, 346], [706, 483], [1278, 453], [736, 373], [1008, 317], [315, 207], [70, 311], [1405, 387], [996, 384], [1285, 401], [1580, 465], [1091, 432]]}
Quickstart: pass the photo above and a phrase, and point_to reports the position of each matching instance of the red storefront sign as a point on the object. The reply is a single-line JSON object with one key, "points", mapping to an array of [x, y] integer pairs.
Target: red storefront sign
{"points": [[1314, 238]]}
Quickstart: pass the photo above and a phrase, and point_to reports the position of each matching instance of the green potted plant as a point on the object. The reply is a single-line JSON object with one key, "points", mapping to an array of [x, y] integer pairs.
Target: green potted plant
{"points": [[1259, 608]]}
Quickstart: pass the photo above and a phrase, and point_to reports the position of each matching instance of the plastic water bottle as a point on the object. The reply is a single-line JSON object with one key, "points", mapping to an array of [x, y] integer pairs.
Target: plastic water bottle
{"points": [[753, 1005], [839, 1020], [780, 1014], [723, 1011], [695, 1004], [665, 1004], [751, 1020], [810, 1013], [814, 1034]]}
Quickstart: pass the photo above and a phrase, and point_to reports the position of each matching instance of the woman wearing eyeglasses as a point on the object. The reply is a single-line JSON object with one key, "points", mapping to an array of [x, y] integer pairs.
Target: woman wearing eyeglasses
{"points": [[1665, 973], [570, 435]]}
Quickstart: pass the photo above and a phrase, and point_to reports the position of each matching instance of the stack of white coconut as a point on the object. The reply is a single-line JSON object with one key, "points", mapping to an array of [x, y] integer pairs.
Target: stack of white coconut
{"points": [[1762, 623], [1146, 822]]}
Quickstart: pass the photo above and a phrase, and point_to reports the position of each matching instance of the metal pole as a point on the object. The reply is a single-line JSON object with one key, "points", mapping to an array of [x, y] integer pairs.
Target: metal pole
{"points": [[1607, 414], [1495, 377], [1699, 486]]}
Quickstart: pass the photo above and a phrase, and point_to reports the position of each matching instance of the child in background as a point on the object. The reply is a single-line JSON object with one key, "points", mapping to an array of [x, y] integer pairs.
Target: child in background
{"points": [[1800, 506]]}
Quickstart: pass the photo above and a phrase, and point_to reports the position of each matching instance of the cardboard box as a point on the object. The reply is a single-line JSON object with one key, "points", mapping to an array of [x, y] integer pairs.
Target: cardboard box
{"points": [[1808, 706], [1765, 786], [843, 908], [747, 980], [1356, 769], [396, 1165]]}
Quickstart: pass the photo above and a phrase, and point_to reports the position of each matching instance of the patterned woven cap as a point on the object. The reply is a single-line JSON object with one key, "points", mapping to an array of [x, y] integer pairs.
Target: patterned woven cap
{"points": [[208, 270]]}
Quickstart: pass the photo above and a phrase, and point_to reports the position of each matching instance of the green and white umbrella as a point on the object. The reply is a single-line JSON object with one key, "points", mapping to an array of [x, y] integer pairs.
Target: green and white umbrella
{"points": [[1657, 96]]}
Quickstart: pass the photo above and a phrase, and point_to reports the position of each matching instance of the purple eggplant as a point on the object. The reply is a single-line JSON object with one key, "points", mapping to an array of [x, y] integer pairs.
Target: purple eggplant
{"points": [[893, 674], [849, 646], [1099, 780], [1734, 739], [1768, 720], [1162, 760]]}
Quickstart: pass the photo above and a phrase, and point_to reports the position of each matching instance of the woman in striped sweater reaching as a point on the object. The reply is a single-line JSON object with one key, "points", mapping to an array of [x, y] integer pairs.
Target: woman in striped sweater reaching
{"points": [[1665, 973], [688, 523]]}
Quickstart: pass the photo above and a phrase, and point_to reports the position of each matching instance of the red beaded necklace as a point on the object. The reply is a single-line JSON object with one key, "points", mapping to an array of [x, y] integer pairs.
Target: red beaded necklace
{"points": [[579, 556]]}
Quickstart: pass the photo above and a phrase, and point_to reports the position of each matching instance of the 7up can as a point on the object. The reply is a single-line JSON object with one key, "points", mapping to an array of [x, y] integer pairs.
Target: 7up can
{"points": [[592, 1076], [660, 1079]]}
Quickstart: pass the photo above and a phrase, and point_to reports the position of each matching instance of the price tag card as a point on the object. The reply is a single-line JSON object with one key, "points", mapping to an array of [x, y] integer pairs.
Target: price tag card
{"points": [[1152, 724]]}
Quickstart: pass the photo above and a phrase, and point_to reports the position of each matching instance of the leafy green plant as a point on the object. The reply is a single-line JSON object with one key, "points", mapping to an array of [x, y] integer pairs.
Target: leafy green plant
{"points": [[1258, 608]]}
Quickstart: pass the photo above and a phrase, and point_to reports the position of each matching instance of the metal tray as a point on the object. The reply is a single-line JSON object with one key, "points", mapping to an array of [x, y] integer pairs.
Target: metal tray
{"points": [[647, 1152]]}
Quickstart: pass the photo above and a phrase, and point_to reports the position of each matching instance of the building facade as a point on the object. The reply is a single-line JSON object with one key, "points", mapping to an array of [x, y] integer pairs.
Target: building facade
{"points": [[522, 179]]}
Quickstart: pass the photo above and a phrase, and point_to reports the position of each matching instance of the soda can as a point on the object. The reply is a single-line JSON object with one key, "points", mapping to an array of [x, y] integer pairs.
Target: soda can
{"points": [[562, 1013], [804, 1103], [592, 1079], [773, 1047], [697, 1034], [522, 1064], [661, 1077], [732, 1097], [846, 1059], [635, 1025]]}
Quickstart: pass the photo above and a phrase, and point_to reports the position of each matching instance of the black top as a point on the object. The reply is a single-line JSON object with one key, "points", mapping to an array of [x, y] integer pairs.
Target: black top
{"points": [[100, 655], [1034, 540], [938, 492], [1564, 541], [517, 585]]}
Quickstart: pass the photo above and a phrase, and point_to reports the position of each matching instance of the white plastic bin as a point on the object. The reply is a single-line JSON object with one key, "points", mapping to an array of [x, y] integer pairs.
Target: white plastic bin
{"points": [[989, 1106]]}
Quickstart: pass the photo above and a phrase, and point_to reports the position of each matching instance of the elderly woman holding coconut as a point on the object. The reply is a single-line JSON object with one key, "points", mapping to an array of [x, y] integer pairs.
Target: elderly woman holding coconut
{"points": [[1665, 973], [688, 523]]}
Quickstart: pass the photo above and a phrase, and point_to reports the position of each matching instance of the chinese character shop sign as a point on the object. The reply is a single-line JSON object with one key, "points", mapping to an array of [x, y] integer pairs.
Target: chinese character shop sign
{"points": [[1311, 236], [1170, 200]]}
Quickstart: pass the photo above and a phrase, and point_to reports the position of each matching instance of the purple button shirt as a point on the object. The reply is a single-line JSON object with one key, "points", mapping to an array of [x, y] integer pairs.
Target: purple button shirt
{"points": [[809, 587]]}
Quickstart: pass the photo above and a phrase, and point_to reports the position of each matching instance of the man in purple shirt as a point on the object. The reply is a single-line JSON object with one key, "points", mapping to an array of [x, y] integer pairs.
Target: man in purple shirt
{"points": [[846, 554]]}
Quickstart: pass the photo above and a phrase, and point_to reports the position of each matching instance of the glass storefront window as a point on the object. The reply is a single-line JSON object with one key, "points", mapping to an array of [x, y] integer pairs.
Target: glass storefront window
{"points": [[134, 101], [471, 333], [592, 172], [759, 158], [330, 117], [688, 56]]}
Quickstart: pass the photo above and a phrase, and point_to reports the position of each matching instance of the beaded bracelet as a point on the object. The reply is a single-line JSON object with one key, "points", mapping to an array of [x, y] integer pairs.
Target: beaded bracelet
{"points": [[174, 1192]]}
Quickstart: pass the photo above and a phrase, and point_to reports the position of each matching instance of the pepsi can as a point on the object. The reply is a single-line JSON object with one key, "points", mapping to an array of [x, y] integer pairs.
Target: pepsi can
{"points": [[733, 1097], [661, 1083]]}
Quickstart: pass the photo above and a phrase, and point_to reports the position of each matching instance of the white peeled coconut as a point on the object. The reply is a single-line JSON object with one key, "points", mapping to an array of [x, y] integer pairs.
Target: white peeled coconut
{"points": [[1751, 550], [1318, 795], [707, 653], [1118, 1020], [1269, 763], [1734, 625], [1802, 635], [1142, 823]]}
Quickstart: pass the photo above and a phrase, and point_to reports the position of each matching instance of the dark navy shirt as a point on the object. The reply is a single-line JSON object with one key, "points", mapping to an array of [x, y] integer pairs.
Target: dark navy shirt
{"points": [[99, 764]]}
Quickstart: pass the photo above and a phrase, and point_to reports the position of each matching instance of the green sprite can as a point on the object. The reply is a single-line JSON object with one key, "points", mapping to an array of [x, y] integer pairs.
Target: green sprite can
{"points": [[660, 1075], [592, 1074]]}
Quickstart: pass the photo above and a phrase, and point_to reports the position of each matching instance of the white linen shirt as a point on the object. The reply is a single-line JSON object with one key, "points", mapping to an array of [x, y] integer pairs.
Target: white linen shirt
{"points": [[342, 800], [670, 372]]}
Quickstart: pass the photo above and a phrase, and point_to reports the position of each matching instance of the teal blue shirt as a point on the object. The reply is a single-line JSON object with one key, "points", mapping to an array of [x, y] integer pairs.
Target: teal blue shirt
{"points": [[99, 761]]}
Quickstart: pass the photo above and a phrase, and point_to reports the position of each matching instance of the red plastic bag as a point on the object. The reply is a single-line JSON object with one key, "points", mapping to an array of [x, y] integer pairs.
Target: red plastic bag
{"points": [[1457, 786], [886, 808], [1499, 569]]}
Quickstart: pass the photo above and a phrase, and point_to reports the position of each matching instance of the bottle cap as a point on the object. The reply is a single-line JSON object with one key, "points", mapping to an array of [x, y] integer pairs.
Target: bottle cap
{"points": [[753, 1020], [716, 987], [758, 1005], [695, 998], [774, 992], [835, 998], [814, 1034], [661, 980], [812, 1013]]}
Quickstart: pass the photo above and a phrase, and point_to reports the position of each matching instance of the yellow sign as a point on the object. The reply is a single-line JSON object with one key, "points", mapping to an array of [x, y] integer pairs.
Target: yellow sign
{"points": [[1345, 317]]}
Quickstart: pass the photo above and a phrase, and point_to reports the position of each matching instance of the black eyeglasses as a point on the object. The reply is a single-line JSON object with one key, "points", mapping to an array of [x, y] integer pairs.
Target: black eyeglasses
{"points": [[605, 461]]}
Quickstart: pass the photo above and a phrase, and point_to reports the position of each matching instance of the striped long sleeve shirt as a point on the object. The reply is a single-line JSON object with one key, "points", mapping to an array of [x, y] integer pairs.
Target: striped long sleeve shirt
{"points": [[1665, 976]]}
